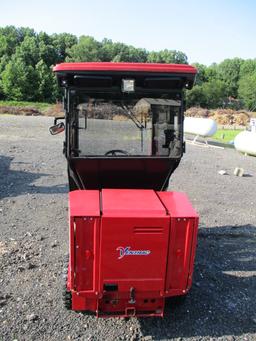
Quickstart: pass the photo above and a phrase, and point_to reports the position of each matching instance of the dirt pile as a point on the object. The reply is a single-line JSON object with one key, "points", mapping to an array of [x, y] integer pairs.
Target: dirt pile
{"points": [[221, 116], [24, 111], [52, 110]]}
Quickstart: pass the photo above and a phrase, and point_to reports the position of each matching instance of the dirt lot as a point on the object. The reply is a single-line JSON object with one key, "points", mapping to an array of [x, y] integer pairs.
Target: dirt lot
{"points": [[34, 240]]}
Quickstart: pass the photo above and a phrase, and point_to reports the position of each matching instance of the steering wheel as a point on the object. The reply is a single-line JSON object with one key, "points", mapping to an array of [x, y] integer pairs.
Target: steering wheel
{"points": [[115, 152]]}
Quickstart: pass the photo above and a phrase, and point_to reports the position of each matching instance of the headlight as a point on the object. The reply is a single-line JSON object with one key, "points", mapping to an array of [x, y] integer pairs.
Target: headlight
{"points": [[128, 85]]}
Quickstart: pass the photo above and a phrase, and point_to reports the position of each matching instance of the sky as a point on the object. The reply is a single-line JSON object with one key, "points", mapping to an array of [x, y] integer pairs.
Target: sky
{"points": [[207, 31]]}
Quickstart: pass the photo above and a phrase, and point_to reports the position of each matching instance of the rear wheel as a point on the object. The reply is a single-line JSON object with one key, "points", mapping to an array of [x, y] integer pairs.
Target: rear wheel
{"points": [[67, 299], [66, 295], [177, 300]]}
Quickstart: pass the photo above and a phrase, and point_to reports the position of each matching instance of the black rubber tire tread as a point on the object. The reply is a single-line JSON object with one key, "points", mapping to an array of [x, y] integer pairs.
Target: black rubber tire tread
{"points": [[177, 300], [66, 295]]}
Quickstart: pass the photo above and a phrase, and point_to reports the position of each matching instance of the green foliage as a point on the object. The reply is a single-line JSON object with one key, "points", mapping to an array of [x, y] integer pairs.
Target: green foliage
{"points": [[218, 84], [86, 50], [208, 95], [3, 46], [229, 72], [47, 85], [196, 97], [125, 53], [247, 90], [61, 43], [27, 57], [167, 56], [215, 93], [28, 51], [211, 72], [247, 84], [247, 67], [201, 73], [19, 80], [10, 39], [26, 61]]}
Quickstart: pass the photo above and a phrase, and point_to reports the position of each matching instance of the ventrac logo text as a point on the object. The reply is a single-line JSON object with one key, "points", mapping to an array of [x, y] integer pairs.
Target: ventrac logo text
{"points": [[126, 251]]}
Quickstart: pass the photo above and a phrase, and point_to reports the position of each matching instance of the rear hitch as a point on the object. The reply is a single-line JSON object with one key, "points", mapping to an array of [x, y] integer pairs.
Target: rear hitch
{"points": [[130, 311]]}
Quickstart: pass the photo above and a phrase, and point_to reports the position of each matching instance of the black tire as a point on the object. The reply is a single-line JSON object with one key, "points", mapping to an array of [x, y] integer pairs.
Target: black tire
{"points": [[177, 300], [66, 295], [67, 299]]}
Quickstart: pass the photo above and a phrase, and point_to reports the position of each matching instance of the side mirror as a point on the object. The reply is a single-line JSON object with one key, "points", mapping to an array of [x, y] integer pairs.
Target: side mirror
{"points": [[57, 128]]}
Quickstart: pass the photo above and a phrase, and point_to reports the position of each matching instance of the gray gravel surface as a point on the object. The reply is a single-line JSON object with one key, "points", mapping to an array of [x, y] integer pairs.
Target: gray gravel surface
{"points": [[34, 240]]}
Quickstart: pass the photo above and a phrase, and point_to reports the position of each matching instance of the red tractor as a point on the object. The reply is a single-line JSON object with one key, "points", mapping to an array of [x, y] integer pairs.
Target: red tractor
{"points": [[132, 243]]}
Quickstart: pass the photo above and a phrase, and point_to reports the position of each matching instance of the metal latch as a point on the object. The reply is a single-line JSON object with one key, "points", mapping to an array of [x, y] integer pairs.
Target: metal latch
{"points": [[132, 296]]}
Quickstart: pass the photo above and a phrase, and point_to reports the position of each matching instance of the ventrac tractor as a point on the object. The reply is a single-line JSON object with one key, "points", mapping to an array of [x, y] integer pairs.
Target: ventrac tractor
{"points": [[132, 243]]}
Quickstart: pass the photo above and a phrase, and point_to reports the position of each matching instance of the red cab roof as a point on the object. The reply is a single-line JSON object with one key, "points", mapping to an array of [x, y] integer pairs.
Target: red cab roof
{"points": [[139, 67]]}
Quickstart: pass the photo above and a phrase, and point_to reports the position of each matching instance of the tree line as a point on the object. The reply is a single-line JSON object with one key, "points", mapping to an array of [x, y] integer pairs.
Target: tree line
{"points": [[27, 57], [229, 84]]}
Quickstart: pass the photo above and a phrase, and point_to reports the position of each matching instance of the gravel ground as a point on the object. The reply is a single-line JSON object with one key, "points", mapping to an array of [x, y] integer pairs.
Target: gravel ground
{"points": [[34, 240]]}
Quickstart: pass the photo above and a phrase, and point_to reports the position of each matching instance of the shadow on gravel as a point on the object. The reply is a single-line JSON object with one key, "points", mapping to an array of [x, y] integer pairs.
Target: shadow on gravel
{"points": [[222, 300], [13, 182]]}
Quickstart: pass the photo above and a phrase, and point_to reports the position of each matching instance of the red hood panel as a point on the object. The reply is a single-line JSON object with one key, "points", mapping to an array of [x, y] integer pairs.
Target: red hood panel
{"points": [[130, 203]]}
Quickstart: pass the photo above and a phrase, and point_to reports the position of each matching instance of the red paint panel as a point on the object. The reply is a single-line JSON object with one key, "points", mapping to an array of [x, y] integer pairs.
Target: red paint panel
{"points": [[183, 239], [71, 252], [133, 220], [84, 203], [81, 303], [131, 203], [180, 251], [140, 67], [143, 272], [85, 231], [193, 253], [121, 307], [177, 204]]}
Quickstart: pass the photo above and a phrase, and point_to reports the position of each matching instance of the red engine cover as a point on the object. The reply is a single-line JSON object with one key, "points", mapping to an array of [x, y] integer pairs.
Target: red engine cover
{"points": [[129, 249], [134, 240]]}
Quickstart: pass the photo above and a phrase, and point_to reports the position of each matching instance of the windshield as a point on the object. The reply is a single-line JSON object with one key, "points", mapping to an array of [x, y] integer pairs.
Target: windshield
{"points": [[130, 127]]}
